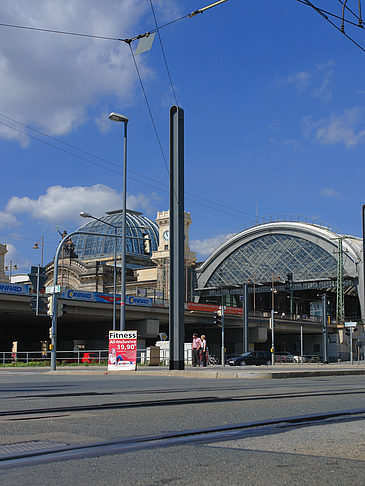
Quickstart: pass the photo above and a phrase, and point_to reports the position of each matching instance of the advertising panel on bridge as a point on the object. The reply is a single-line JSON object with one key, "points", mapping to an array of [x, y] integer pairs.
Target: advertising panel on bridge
{"points": [[104, 297], [14, 288], [122, 350]]}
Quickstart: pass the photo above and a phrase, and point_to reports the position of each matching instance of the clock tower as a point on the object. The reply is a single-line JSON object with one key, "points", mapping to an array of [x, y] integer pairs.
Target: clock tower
{"points": [[162, 256]]}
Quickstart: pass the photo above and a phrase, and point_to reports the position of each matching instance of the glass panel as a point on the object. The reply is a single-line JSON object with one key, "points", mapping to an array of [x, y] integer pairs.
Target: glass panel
{"points": [[276, 254]]}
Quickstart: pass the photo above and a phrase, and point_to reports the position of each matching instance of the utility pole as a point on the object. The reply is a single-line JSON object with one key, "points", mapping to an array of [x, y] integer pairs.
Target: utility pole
{"points": [[272, 338], [177, 239], [245, 318], [324, 323], [223, 344], [340, 305]]}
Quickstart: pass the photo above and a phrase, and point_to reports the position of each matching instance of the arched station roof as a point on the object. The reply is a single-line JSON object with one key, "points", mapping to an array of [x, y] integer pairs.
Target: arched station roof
{"points": [[308, 251], [93, 247]]}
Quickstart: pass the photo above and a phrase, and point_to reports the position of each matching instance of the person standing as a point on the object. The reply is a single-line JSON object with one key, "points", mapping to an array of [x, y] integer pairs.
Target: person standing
{"points": [[196, 347], [203, 350]]}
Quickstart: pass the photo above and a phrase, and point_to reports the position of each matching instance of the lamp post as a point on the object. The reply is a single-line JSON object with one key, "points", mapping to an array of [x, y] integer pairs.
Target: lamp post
{"points": [[273, 292], [36, 247], [121, 118], [10, 268], [87, 215]]}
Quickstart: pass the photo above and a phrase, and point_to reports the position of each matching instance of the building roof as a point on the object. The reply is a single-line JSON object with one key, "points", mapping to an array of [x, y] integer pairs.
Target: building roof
{"points": [[268, 250], [89, 247]]}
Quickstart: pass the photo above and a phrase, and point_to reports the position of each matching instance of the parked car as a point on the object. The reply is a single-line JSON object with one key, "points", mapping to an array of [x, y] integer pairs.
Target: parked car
{"points": [[284, 357], [313, 358], [297, 359], [251, 358]]}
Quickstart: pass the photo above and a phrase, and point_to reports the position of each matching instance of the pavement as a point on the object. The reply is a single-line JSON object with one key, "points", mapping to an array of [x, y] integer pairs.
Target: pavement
{"points": [[278, 371]]}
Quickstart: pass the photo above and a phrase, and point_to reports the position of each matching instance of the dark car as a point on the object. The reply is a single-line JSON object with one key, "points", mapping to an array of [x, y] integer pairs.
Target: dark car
{"points": [[251, 358]]}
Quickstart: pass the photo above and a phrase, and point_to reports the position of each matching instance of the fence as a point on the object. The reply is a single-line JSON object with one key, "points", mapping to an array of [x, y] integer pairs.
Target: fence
{"points": [[85, 357]]}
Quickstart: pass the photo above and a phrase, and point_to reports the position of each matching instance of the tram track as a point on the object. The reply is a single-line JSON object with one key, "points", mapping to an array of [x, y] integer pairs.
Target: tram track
{"points": [[28, 414], [188, 437]]}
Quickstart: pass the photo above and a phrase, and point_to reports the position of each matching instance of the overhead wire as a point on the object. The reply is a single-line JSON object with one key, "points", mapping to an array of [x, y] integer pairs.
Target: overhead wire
{"points": [[165, 189], [149, 108], [163, 54], [128, 41], [323, 14]]}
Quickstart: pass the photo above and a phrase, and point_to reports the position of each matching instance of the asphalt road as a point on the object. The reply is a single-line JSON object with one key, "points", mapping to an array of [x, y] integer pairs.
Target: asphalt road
{"points": [[94, 408]]}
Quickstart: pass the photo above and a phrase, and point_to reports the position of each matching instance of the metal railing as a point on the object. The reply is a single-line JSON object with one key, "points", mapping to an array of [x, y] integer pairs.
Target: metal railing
{"points": [[84, 357]]}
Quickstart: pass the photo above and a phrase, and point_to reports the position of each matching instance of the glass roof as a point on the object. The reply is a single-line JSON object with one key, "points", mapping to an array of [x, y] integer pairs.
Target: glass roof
{"points": [[275, 256], [89, 247]]}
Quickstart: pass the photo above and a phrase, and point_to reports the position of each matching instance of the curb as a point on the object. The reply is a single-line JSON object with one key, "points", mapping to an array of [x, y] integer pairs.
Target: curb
{"points": [[218, 374]]}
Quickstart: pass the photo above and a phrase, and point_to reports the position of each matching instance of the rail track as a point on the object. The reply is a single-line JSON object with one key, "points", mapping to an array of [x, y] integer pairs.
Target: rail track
{"points": [[189, 437], [29, 413]]}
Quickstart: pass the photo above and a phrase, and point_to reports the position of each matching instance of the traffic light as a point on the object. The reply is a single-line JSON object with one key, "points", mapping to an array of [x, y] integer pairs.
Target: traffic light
{"points": [[33, 303], [217, 318], [50, 305], [38, 278], [60, 310], [146, 244]]}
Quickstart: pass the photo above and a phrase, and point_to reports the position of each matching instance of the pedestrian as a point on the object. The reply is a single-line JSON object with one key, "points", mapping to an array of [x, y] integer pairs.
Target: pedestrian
{"points": [[196, 347], [203, 350]]}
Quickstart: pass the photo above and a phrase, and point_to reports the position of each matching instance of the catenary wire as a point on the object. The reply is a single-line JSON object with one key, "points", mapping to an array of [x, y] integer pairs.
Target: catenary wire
{"points": [[348, 8], [149, 108], [163, 54], [324, 13], [320, 12], [165, 186]]}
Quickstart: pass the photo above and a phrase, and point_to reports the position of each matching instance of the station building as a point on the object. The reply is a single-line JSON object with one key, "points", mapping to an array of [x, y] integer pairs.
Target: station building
{"points": [[288, 266]]}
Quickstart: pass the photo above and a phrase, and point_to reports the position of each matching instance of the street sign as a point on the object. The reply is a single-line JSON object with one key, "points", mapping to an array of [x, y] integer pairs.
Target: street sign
{"points": [[350, 324], [55, 289]]}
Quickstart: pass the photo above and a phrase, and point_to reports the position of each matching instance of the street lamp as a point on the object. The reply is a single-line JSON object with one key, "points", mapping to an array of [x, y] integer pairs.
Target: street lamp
{"points": [[36, 247], [87, 215], [121, 118], [10, 269], [273, 292]]}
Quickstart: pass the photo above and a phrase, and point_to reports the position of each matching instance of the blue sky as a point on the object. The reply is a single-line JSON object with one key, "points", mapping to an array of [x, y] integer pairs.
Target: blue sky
{"points": [[274, 116]]}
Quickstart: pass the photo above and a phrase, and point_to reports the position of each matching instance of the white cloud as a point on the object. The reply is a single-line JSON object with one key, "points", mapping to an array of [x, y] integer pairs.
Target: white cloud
{"points": [[11, 254], [6, 218], [329, 192], [50, 80], [326, 72], [299, 80], [347, 128], [207, 246], [63, 204], [318, 80]]}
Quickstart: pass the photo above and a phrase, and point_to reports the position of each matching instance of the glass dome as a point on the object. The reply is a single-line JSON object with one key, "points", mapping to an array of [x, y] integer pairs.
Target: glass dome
{"points": [[89, 247]]}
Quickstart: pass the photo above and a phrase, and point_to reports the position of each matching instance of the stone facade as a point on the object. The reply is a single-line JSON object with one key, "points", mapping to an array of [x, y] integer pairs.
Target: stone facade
{"points": [[3, 252]]}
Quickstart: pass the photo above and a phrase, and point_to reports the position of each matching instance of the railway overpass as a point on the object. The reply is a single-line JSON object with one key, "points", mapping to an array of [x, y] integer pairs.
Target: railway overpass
{"points": [[88, 322]]}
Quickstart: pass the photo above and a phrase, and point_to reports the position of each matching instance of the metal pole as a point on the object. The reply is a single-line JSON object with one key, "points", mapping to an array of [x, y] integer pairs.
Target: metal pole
{"points": [[363, 262], [124, 225], [177, 239], [351, 353], [324, 323], [115, 280], [42, 245], [245, 318], [37, 305], [55, 278], [223, 343], [272, 338], [301, 344]]}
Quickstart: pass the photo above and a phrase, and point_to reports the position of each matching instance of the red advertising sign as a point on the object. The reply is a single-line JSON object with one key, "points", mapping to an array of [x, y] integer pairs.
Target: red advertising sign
{"points": [[192, 306], [122, 350]]}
